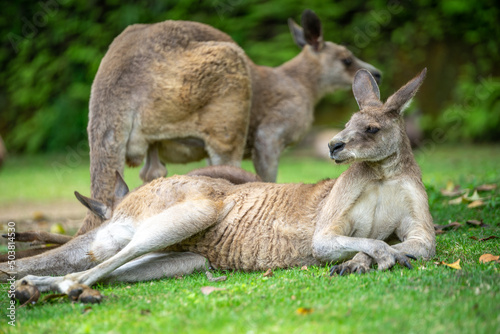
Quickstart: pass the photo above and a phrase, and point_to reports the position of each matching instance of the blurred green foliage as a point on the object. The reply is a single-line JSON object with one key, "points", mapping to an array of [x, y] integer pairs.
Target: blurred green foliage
{"points": [[51, 50]]}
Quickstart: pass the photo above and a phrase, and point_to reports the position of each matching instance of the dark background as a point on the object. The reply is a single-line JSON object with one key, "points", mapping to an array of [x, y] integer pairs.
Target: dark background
{"points": [[51, 51]]}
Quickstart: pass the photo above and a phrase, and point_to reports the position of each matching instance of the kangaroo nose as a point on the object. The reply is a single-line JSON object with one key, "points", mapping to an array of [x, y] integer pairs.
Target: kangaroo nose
{"points": [[336, 148], [377, 76]]}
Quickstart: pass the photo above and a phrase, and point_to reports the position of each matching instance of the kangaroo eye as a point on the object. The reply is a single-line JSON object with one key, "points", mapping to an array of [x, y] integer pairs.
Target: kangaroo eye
{"points": [[372, 129], [347, 61]]}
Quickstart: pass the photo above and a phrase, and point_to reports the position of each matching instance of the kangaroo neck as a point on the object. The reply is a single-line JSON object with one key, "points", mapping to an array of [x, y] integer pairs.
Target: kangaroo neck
{"points": [[398, 163], [304, 70]]}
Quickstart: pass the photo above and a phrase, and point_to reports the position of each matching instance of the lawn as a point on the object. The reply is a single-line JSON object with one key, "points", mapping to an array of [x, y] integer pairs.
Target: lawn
{"points": [[431, 298]]}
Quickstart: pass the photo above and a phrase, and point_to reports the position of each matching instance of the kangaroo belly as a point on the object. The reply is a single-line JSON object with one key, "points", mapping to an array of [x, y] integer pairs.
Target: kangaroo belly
{"points": [[262, 231], [182, 150]]}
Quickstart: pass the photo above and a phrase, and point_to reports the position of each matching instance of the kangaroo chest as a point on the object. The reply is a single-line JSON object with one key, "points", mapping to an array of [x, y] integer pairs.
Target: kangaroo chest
{"points": [[380, 210]]}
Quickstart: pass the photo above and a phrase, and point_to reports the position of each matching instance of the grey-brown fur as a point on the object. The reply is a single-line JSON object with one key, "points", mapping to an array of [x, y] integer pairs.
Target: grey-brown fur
{"points": [[235, 175], [179, 91], [172, 225]]}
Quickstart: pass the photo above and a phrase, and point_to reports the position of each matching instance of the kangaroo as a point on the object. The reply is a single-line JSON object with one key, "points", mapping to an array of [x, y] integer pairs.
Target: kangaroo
{"points": [[232, 174], [179, 91], [172, 225]]}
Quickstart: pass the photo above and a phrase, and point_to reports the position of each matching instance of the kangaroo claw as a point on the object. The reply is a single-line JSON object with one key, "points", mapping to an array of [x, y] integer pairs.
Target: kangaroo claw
{"points": [[345, 270], [405, 262], [334, 270]]}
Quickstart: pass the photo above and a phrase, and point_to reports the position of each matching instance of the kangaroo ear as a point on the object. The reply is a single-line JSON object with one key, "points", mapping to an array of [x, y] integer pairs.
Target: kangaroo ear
{"points": [[297, 33], [98, 208], [313, 33], [400, 100], [366, 90], [121, 188]]}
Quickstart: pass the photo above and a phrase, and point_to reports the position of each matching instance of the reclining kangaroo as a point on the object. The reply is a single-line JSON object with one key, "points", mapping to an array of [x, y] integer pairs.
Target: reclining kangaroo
{"points": [[179, 91], [172, 225]]}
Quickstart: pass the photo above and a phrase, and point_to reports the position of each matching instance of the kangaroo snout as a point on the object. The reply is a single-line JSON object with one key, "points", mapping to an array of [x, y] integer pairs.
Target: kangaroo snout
{"points": [[335, 148]]}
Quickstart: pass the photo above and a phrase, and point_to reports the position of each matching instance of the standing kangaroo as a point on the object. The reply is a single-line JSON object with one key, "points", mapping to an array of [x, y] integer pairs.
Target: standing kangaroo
{"points": [[172, 225], [180, 91]]}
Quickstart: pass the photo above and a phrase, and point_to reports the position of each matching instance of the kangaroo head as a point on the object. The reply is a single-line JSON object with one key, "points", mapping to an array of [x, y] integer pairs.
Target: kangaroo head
{"points": [[377, 130], [100, 209], [337, 65]]}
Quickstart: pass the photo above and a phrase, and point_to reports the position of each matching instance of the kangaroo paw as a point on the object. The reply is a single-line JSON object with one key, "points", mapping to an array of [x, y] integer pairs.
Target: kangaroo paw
{"points": [[387, 260], [359, 264], [26, 293], [349, 267]]}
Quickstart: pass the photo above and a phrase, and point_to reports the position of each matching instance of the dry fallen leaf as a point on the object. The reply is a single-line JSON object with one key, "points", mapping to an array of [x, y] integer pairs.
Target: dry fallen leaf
{"points": [[87, 309], [268, 273], [458, 200], [486, 187], [454, 265], [474, 197], [304, 310], [304, 268], [206, 290], [452, 190], [475, 200], [39, 216], [488, 238], [475, 204], [488, 258], [453, 225], [476, 223]]}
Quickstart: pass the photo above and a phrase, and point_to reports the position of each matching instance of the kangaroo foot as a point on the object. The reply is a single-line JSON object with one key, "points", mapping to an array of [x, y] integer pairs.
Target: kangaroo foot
{"points": [[83, 294]]}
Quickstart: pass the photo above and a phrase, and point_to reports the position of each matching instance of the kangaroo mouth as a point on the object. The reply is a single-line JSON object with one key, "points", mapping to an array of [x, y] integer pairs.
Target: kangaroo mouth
{"points": [[340, 160]]}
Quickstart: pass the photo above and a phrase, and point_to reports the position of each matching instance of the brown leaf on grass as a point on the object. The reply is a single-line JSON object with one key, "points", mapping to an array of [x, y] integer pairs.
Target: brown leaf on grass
{"points": [[304, 268], [477, 223], [454, 265], [268, 273], [87, 309], [474, 197], [442, 228], [486, 187], [475, 200], [488, 258], [488, 238], [458, 200], [206, 290], [145, 311], [452, 190], [304, 310], [39, 216], [476, 204]]}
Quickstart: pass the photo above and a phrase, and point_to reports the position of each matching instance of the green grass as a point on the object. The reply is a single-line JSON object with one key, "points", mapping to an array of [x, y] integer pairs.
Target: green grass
{"points": [[430, 298]]}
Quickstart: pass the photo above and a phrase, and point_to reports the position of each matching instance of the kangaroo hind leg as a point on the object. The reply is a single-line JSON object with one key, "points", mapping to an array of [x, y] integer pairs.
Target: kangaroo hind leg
{"points": [[167, 228]]}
